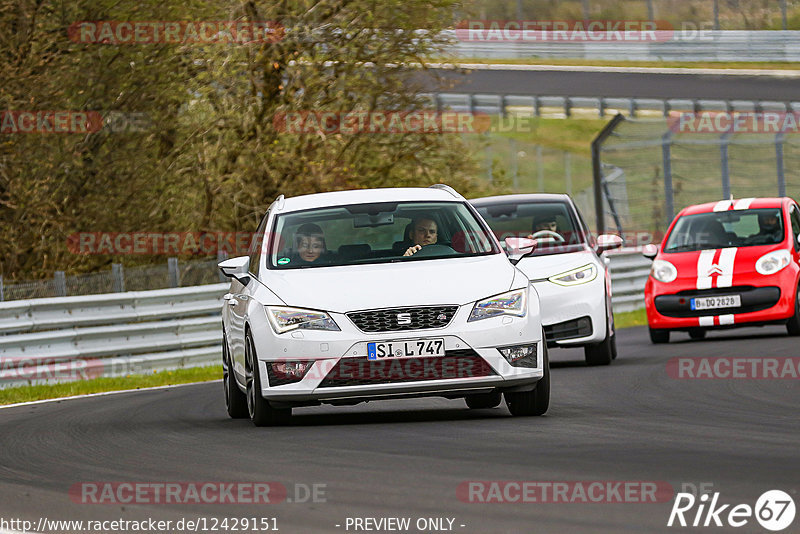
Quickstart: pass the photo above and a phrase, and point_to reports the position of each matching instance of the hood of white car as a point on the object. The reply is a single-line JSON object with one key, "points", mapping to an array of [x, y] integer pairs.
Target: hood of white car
{"points": [[389, 285], [539, 267]]}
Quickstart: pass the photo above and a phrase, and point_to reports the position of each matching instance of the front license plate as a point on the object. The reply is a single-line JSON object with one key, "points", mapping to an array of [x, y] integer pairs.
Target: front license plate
{"points": [[413, 348], [722, 301]]}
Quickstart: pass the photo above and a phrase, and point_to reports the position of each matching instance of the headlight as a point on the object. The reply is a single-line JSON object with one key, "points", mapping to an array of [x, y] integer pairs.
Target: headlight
{"points": [[663, 271], [773, 262], [511, 303], [581, 275], [285, 319]]}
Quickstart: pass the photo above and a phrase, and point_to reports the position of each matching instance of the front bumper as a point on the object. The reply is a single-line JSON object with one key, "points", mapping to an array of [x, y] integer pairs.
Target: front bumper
{"points": [[573, 315], [342, 372], [766, 304]]}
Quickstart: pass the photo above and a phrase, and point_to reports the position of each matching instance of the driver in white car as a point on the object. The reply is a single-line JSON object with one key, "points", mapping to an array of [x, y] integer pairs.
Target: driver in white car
{"points": [[544, 222], [424, 232]]}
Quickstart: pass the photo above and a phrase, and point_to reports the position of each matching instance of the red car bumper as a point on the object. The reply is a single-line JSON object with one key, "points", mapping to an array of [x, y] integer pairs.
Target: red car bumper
{"points": [[771, 301]]}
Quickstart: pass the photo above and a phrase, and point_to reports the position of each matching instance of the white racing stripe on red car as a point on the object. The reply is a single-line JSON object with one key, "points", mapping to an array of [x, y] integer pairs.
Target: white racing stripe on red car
{"points": [[726, 263], [704, 262], [743, 203], [722, 205], [706, 321]]}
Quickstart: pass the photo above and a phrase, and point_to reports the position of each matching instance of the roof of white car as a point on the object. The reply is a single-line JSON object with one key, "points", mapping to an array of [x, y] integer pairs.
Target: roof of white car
{"points": [[530, 197], [366, 196]]}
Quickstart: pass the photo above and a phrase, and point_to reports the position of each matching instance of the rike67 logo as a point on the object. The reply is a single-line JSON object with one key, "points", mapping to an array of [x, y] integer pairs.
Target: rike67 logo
{"points": [[774, 510]]}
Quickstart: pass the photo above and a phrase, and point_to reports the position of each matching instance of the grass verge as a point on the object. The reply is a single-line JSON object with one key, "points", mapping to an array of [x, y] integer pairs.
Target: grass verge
{"points": [[628, 319], [98, 385]]}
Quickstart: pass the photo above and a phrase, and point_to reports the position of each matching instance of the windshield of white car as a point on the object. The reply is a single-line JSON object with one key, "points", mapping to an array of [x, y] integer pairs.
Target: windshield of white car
{"points": [[722, 229], [360, 234], [552, 224]]}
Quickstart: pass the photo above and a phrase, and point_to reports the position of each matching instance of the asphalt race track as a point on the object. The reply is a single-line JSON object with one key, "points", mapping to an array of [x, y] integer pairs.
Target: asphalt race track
{"points": [[626, 422], [622, 84]]}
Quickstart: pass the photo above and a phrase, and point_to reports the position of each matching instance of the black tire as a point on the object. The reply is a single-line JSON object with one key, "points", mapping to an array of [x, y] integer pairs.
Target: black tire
{"points": [[483, 400], [697, 333], [259, 409], [601, 353], [235, 400], [536, 401], [793, 325], [659, 335]]}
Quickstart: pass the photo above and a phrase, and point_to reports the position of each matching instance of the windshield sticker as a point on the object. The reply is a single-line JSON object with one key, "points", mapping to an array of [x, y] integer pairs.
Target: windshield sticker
{"points": [[283, 261]]}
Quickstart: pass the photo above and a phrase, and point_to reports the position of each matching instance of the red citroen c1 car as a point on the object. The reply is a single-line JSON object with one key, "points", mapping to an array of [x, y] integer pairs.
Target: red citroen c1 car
{"points": [[726, 264]]}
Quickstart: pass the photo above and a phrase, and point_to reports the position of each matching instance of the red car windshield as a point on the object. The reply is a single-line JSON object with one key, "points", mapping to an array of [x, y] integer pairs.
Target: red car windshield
{"points": [[722, 229]]}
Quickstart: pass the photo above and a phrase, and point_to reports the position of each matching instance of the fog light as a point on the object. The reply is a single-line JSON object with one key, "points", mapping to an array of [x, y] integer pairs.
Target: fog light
{"points": [[520, 355], [287, 372]]}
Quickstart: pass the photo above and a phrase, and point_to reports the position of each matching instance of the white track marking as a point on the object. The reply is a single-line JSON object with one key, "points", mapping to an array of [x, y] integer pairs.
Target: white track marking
{"points": [[103, 393]]}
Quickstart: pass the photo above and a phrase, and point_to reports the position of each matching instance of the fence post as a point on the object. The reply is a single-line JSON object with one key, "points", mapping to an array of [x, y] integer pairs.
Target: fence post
{"points": [[567, 107], [601, 107], [568, 172], [174, 275], [537, 109], [597, 170], [118, 275], [489, 164], [723, 154], [779, 138], [666, 155], [2, 289], [540, 167], [514, 164], [60, 283]]}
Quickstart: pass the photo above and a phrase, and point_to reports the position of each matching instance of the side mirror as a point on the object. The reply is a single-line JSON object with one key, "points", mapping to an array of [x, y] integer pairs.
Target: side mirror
{"points": [[236, 268], [650, 251], [519, 247], [608, 242]]}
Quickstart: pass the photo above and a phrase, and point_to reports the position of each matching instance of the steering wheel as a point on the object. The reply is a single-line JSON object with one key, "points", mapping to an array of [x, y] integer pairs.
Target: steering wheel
{"points": [[433, 250], [547, 233]]}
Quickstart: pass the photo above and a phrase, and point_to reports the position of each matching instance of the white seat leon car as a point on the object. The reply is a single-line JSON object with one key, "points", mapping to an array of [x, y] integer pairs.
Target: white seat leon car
{"points": [[566, 269], [354, 296]]}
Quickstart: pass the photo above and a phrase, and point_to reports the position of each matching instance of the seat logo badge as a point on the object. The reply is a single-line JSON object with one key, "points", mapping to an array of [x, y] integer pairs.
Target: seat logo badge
{"points": [[403, 318]]}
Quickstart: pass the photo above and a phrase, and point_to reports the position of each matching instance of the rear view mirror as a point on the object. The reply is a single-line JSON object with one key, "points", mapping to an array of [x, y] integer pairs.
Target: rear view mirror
{"points": [[236, 268], [519, 247], [650, 251], [608, 242]]}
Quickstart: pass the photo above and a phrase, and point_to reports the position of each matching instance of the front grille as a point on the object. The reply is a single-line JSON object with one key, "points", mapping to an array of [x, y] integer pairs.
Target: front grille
{"points": [[400, 319], [361, 372], [753, 299]]}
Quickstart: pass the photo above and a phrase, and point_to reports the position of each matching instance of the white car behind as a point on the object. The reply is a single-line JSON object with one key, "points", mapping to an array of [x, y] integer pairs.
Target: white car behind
{"points": [[566, 269]]}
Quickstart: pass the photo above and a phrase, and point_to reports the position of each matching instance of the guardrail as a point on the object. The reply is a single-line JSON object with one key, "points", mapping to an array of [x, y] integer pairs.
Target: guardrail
{"points": [[566, 106], [71, 338], [629, 272], [685, 45]]}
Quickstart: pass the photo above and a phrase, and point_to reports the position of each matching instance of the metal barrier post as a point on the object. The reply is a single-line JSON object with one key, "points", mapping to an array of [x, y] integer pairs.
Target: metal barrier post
{"points": [[540, 167], [514, 163], [222, 256], [174, 275], [597, 170], [568, 172], [2, 289], [60, 283], [117, 273]]}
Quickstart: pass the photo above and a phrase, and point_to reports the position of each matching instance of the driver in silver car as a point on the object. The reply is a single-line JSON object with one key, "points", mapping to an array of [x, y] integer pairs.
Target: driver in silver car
{"points": [[544, 223]]}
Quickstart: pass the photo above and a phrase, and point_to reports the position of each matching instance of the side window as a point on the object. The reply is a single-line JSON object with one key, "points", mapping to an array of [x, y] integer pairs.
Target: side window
{"points": [[255, 246], [794, 215]]}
